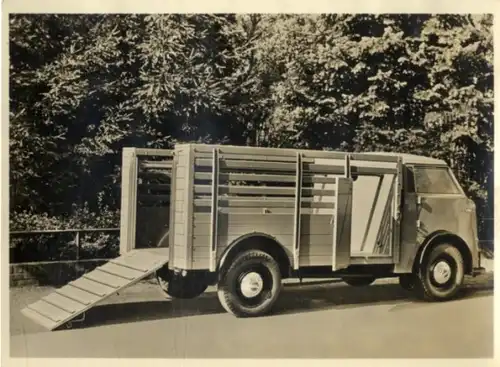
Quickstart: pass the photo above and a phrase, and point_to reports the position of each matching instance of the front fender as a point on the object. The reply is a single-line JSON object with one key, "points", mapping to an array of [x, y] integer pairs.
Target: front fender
{"points": [[439, 237]]}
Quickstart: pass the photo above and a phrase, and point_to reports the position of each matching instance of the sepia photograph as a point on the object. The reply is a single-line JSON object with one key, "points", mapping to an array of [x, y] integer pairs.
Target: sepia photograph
{"points": [[250, 185]]}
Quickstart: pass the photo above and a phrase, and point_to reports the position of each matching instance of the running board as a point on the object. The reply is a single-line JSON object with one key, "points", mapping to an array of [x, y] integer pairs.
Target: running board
{"points": [[78, 296]]}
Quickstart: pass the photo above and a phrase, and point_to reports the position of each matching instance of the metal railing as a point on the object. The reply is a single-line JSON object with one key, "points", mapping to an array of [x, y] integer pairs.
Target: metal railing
{"points": [[77, 233]]}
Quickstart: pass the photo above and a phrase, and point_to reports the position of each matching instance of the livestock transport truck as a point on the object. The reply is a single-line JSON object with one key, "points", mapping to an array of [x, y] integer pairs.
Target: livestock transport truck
{"points": [[243, 219]]}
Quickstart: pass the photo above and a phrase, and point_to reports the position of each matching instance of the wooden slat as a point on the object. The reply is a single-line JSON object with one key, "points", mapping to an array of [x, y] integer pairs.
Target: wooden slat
{"points": [[228, 149], [253, 177], [262, 190], [65, 303], [318, 179], [49, 311], [271, 166], [128, 199], [247, 165], [188, 213], [156, 164], [77, 294], [122, 271], [106, 279], [131, 262], [38, 318], [266, 210], [92, 287], [250, 190], [215, 211], [260, 202], [297, 215], [154, 152], [173, 217], [251, 157]]}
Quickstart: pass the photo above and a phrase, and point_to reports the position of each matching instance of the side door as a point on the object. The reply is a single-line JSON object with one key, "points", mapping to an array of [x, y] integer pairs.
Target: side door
{"points": [[409, 221]]}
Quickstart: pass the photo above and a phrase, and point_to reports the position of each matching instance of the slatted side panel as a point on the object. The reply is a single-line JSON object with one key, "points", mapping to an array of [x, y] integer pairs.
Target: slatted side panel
{"points": [[260, 183], [181, 209], [78, 296], [257, 193]]}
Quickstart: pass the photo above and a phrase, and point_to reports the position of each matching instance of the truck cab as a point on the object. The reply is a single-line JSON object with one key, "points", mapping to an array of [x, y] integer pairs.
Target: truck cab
{"points": [[435, 211]]}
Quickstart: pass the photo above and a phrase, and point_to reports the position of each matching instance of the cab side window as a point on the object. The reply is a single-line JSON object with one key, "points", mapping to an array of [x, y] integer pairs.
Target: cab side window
{"points": [[434, 180]]}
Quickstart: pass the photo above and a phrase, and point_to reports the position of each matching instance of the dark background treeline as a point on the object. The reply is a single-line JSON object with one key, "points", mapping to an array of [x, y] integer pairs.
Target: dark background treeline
{"points": [[84, 86]]}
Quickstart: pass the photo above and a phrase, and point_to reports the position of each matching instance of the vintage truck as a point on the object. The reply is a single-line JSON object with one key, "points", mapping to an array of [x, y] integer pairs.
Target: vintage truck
{"points": [[242, 219]]}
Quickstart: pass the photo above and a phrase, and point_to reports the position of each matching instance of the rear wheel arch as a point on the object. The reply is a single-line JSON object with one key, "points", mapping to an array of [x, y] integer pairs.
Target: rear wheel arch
{"points": [[257, 241], [441, 237]]}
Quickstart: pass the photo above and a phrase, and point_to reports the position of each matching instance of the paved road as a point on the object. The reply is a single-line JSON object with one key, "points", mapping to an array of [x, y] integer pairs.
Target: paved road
{"points": [[325, 320]]}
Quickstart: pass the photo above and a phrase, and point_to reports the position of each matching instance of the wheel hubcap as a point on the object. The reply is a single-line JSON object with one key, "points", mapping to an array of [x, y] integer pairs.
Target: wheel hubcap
{"points": [[251, 285], [441, 272]]}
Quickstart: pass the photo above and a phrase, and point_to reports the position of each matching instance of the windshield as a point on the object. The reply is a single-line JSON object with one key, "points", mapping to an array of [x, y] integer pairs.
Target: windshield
{"points": [[434, 180]]}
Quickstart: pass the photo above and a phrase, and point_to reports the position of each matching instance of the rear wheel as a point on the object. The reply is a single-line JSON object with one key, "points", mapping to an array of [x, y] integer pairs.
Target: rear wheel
{"points": [[177, 286], [251, 285], [441, 274], [359, 281]]}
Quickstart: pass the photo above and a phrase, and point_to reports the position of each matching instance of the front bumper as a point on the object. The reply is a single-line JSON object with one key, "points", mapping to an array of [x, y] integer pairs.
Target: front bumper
{"points": [[478, 271]]}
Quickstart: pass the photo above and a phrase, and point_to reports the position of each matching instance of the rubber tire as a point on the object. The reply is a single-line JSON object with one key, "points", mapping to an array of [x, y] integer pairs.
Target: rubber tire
{"points": [[359, 281], [186, 290], [182, 287], [423, 285], [407, 281], [227, 286]]}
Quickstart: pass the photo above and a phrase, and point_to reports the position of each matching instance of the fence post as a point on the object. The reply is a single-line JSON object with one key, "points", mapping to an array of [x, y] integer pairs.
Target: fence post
{"points": [[77, 243]]}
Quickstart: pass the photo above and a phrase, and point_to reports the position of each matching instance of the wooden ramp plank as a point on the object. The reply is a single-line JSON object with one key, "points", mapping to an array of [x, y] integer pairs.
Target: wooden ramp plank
{"points": [[49, 311], [107, 279], [77, 294], [75, 298], [67, 304], [121, 271], [90, 286], [39, 319]]}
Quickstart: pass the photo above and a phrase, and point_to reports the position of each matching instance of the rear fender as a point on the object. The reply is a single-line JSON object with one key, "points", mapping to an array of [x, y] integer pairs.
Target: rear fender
{"points": [[256, 240]]}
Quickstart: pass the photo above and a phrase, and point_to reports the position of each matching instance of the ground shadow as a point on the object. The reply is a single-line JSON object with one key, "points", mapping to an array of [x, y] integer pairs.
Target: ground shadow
{"points": [[293, 299]]}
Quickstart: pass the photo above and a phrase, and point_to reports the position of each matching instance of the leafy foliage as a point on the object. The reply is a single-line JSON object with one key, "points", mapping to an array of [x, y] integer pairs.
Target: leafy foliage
{"points": [[84, 86]]}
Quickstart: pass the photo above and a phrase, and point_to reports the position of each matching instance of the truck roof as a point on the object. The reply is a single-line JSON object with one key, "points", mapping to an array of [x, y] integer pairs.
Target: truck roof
{"points": [[405, 157], [413, 158]]}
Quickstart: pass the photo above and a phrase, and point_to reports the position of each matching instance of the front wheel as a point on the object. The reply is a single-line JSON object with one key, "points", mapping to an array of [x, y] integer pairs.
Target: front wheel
{"points": [[251, 285], [441, 274]]}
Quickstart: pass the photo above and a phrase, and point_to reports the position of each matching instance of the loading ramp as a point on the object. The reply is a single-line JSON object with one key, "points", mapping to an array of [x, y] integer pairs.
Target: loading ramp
{"points": [[73, 299]]}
